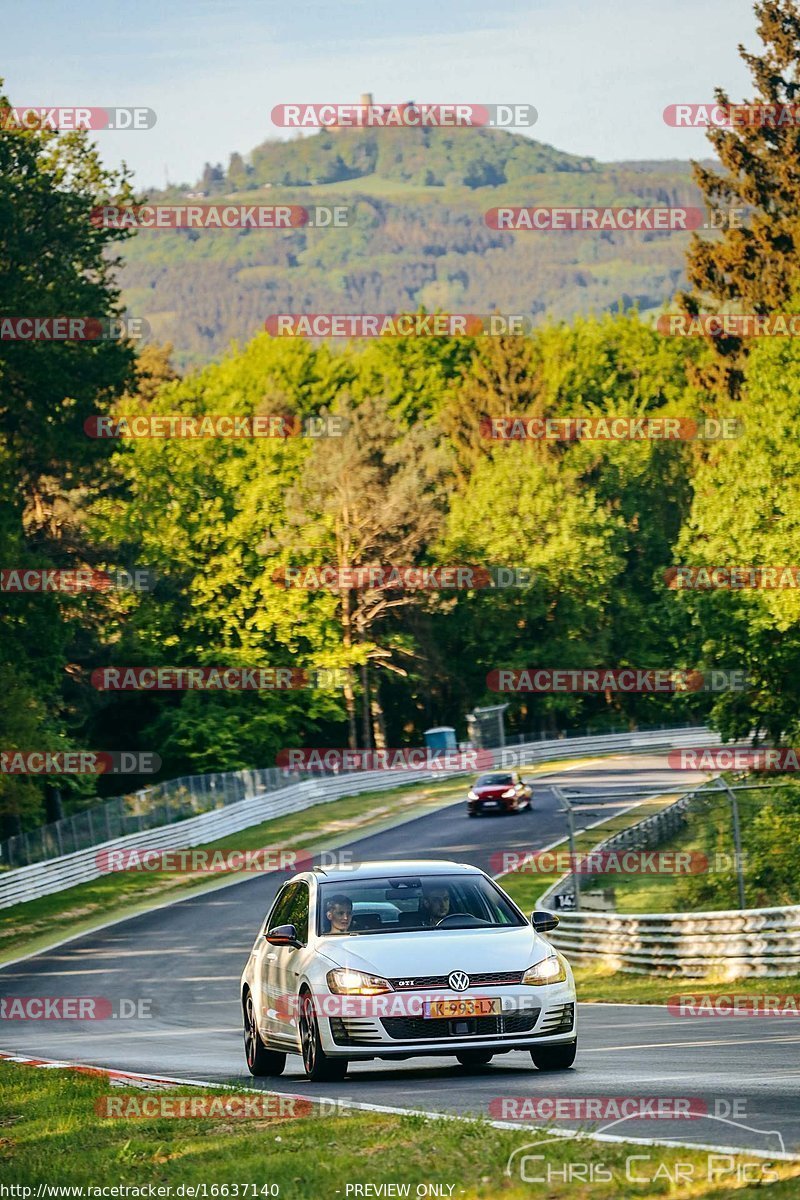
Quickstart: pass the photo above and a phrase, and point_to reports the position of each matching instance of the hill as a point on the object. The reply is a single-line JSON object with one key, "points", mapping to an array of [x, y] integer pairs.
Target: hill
{"points": [[418, 236]]}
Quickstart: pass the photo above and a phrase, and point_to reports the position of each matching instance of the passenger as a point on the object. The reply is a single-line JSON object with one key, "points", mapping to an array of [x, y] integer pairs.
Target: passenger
{"points": [[339, 911]]}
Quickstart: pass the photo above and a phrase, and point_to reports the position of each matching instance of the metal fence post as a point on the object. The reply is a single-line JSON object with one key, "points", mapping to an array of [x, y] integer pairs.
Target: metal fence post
{"points": [[567, 808], [737, 841]]}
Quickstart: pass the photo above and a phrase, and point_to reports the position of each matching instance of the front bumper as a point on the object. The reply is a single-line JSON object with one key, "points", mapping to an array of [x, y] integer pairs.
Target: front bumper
{"points": [[490, 804], [530, 1016]]}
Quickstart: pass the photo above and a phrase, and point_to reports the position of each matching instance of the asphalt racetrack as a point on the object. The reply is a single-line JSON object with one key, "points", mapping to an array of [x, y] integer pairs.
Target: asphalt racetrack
{"points": [[185, 960]]}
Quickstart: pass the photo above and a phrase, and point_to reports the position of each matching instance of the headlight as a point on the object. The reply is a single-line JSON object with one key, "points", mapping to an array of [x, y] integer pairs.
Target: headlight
{"points": [[552, 969], [344, 982], [509, 792], [472, 795]]}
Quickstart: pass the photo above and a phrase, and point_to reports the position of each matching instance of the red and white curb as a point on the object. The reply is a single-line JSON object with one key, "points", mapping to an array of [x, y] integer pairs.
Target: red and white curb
{"points": [[155, 1082], [115, 1078]]}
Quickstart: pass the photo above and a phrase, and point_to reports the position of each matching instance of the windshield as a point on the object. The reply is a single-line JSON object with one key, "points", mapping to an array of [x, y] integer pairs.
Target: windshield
{"points": [[494, 780], [403, 904]]}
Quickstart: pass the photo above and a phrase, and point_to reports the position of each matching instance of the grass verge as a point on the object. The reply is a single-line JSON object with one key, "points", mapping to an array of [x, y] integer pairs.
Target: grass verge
{"points": [[527, 884], [51, 1134], [601, 983], [37, 924], [634, 893], [30, 926]]}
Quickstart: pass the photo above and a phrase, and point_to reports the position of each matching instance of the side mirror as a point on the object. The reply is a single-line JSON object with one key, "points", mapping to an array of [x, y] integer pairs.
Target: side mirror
{"points": [[282, 935], [543, 921]]}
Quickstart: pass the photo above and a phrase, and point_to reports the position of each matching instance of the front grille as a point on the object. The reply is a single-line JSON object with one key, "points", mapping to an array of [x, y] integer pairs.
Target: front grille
{"points": [[407, 1029], [483, 979]]}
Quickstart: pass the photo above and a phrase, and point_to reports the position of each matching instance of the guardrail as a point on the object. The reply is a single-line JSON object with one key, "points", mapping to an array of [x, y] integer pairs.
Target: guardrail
{"points": [[649, 832], [65, 871], [730, 943]]}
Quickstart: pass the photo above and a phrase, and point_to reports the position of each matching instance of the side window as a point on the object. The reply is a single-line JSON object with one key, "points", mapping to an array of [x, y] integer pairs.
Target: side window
{"points": [[298, 913], [282, 907]]}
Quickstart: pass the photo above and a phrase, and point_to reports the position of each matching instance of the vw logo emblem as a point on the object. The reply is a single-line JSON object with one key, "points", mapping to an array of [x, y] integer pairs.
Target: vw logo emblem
{"points": [[458, 981]]}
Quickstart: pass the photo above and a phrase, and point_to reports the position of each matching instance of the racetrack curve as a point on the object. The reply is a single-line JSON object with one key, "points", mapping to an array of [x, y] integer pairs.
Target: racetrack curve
{"points": [[186, 959]]}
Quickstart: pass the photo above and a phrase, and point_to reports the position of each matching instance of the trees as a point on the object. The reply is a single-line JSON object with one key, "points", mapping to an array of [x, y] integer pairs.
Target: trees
{"points": [[746, 511], [373, 497], [53, 262], [752, 268]]}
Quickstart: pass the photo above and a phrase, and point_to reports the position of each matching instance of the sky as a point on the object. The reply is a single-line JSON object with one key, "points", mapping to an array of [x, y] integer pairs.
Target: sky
{"points": [[599, 72]]}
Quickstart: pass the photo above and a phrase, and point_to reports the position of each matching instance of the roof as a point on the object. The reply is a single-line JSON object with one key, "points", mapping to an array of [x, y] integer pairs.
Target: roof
{"points": [[406, 866]]}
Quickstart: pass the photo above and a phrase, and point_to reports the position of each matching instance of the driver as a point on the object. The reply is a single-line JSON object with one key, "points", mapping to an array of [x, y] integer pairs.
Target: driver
{"points": [[339, 911], [435, 905]]}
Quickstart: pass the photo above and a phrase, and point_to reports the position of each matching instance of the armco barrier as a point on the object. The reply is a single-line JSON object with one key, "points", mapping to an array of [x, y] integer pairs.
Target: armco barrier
{"points": [[757, 941], [56, 874], [644, 835], [730, 944]]}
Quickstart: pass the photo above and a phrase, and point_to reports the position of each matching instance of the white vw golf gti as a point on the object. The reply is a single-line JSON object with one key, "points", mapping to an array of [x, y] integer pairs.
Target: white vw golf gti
{"points": [[396, 959]]}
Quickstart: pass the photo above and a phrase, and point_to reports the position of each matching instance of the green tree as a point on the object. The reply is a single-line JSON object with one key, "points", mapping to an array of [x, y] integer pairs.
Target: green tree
{"points": [[746, 511], [54, 262], [373, 497], [752, 268]]}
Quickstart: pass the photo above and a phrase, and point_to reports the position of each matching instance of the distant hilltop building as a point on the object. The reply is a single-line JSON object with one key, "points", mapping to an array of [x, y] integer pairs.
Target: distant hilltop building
{"points": [[366, 101]]}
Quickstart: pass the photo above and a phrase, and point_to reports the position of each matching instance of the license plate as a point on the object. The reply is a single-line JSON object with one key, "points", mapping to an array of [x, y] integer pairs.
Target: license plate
{"points": [[490, 803], [478, 1006]]}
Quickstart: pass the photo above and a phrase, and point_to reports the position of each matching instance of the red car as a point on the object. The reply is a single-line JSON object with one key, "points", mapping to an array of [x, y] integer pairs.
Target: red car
{"points": [[499, 792]]}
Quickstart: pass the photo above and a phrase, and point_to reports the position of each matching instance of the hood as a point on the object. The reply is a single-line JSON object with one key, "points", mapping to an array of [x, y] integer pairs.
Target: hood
{"points": [[438, 951], [493, 789]]}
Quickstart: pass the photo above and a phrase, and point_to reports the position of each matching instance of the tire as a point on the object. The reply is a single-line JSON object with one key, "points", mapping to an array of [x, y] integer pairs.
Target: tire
{"points": [[260, 1060], [555, 1058], [471, 813], [475, 1058], [319, 1068]]}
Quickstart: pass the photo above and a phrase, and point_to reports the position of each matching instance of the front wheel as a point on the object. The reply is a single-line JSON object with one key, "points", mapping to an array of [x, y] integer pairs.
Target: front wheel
{"points": [[260, 1060], [318, 1066], [471, 813], [555, 1058], [475, 1058]]}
